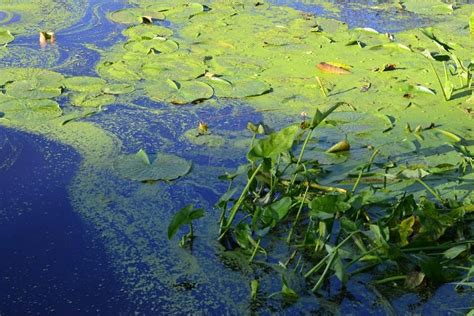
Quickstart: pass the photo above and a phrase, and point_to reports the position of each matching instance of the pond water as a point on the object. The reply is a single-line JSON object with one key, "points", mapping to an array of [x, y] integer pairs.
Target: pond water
{"points": [[79, 239]]}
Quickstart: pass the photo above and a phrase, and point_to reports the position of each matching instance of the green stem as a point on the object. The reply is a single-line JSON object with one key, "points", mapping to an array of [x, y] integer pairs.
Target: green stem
{"points": [[367, 166], [433, 192], [439, 81], [237, 204], [255, 250], [318, 266], [391, 279], [300, 157], [288, 239], [325, 272]]}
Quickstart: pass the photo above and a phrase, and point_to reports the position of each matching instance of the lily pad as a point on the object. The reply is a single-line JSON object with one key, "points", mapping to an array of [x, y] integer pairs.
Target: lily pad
{"points": [[178, 92], [92, 100], [135, 15], [238, 88], [173, 66], [147, 31], [139, 167], [119, 70], [43, 76], [5, 36], [156, 45], [29, 110], [428, 7], [32, 89], [199, 139], [118, 88], [84, 84]]}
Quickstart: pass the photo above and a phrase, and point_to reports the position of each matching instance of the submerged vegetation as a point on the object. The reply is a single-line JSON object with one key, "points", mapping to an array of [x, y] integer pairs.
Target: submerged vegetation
{"points": [[378, 186]]}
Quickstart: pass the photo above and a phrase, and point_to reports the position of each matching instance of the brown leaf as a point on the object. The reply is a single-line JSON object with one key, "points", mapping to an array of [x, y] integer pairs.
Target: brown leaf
{"points": [[333, 68]]}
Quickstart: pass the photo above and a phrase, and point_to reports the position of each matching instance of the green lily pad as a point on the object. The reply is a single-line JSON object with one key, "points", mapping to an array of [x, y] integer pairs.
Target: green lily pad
{"points": [[32, 89], [147, 31], [43, 76], [174, 66], [178, 92], [139, 167], [5, 36], [92, 100], [118, 88], [119, 70], [29, 110], [84, 84], [211, 140], [156, 45], [238, 88], [134, 15], [428, 7]]}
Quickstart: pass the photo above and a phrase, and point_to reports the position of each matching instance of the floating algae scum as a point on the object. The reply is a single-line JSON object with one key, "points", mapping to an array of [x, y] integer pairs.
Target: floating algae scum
{"points": [[127, 86]]}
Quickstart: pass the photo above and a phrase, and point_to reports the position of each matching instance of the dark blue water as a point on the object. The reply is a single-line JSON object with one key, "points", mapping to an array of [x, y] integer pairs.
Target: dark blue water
{"points": [[49, 261]]}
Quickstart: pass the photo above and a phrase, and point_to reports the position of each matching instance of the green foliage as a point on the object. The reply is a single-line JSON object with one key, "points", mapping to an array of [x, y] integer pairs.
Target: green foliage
{"points": [[333, 230], [185, 216]]}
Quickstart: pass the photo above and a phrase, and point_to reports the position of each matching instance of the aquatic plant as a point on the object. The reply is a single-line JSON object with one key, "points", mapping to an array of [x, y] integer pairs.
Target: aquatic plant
{"points": [[337, 231]]}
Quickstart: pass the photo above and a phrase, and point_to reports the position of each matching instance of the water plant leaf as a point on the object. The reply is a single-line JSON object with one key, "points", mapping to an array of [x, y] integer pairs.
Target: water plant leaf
{"points": [[29, 109], [330, 204], [183, 217], [428, 7], [238, 88], [5, 36], [287, 291], [406, 229], [178, 92], [341, 146], [471, 23], [92, 100], [156, 45], [32, 89], [334, 68], [119, 70], [84, 84], [118, 88], [140, 167], [194, 136], [455, 251], [275, 144], [147, 31], [392, 46], [177, 66], [134, 15], [414, 279]]}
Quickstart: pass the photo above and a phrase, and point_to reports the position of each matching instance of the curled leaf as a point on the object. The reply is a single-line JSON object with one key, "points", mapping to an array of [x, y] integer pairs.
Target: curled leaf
{"points": [[334, 68], [341, 146]]}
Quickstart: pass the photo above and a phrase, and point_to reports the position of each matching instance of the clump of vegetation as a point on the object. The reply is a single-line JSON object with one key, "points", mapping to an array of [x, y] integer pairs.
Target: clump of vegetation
{"points": [[342, 231]]}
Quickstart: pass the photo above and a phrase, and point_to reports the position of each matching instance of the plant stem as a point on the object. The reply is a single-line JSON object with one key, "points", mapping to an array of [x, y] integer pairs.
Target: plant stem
{"points": [[439, 81], [433, 192], [300, 157], [236, 206], [288, 239], [318, 266], [255, 250], [321, 85], [390, 279], [325, 272], [367, 166]]}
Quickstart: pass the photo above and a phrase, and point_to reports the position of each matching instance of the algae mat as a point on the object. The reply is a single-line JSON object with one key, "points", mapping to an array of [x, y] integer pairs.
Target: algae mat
{"points": [[226, 63]]}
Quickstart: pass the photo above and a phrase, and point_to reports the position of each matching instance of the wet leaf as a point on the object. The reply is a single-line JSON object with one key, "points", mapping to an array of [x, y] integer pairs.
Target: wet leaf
{"points": [[29, 110], [92, 100], [139, 167], [156, 45], [286, 291], [275, 144], [428, 7], [183, 217]]}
